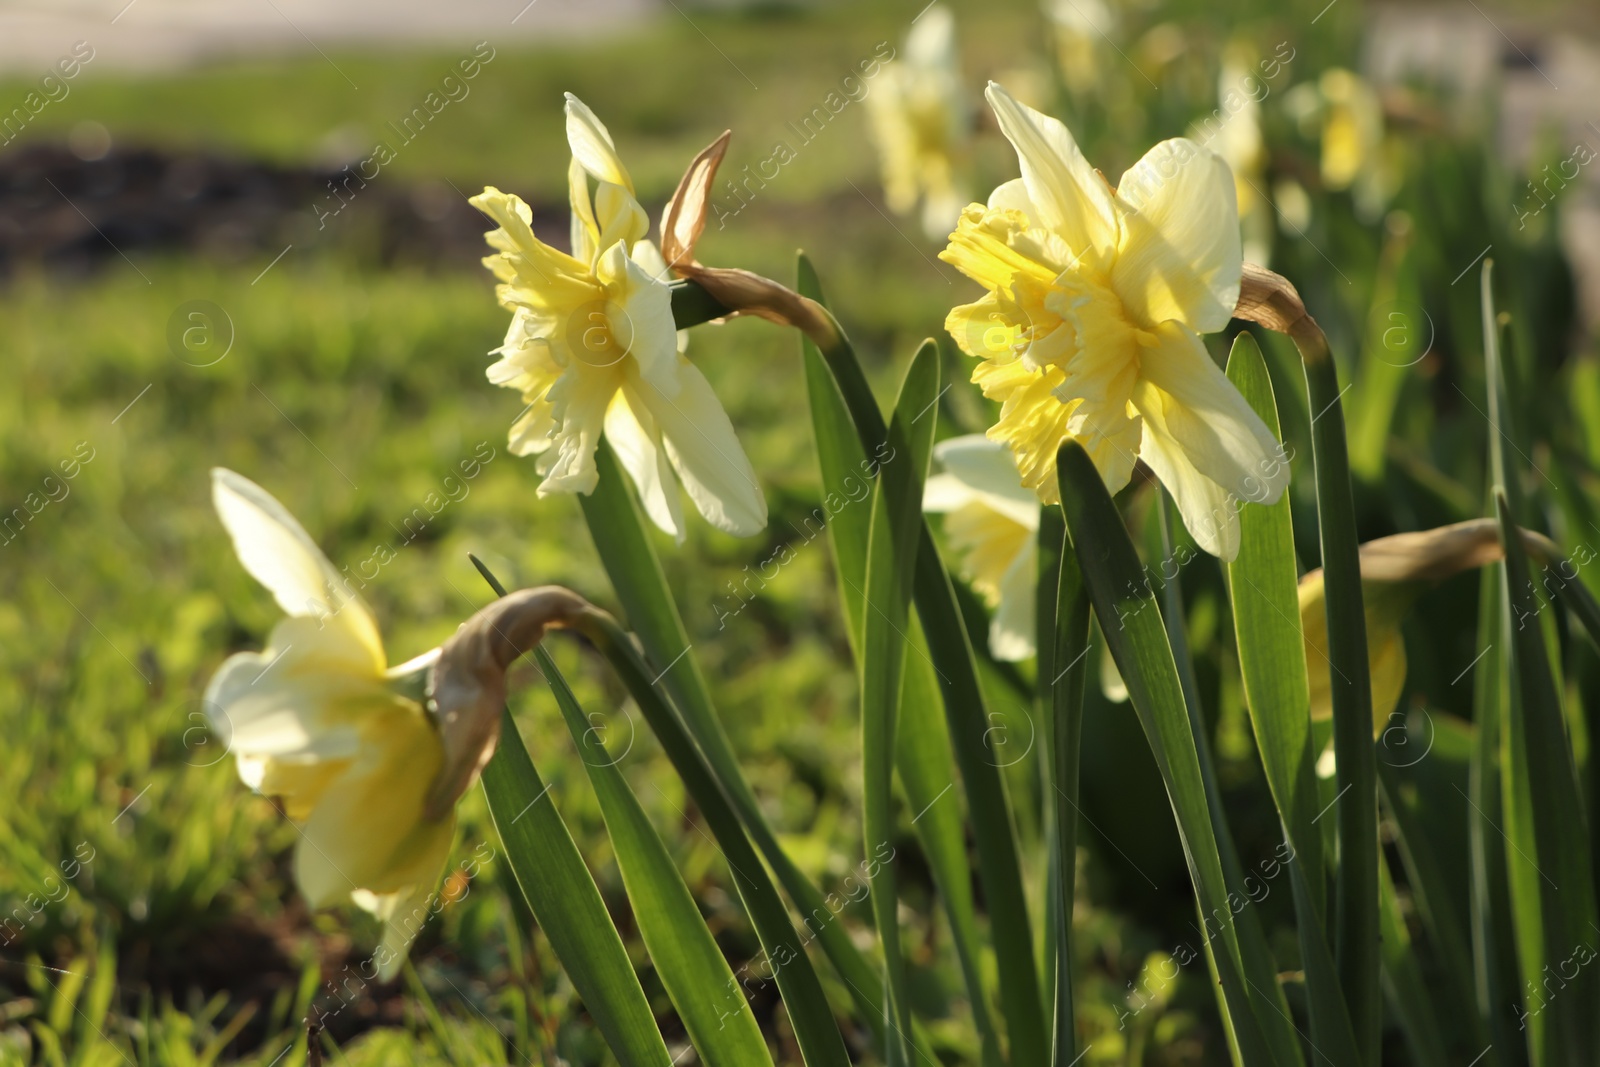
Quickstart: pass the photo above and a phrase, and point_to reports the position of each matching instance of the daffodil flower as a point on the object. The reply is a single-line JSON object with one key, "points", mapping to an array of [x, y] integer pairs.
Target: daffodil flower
{"points": [[1233, 131], [993, 523], [920, 120], [315, 720], [1083, 29], [1346, 113], [1385, 605], [1090, 329], [593, 348]]}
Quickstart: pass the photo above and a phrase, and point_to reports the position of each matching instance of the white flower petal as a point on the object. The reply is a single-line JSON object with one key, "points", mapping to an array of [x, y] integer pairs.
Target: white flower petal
{"points": [[945, 492], [592, 145], [1066, 193], [1012, 629], [705, 452], [1180, 255], [1195, 405], [578, 405], [1208, 513], [637, 447], [640, 311], [989, 469], [279, 554]]}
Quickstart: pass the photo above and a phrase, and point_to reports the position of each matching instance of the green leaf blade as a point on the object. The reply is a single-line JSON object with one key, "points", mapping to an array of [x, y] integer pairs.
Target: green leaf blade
{"points": [[567, 904]]}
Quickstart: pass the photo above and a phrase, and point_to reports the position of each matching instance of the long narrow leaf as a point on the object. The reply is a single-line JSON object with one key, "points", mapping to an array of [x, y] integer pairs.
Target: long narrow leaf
{"points": [[617, 527], [1542, 756], [967, 720], [565, 901], [924, 759], [1266, 617], [1260, 970], [1356, 937], [692, 968], [1070, 638], [1131, 621], [886, 598]]}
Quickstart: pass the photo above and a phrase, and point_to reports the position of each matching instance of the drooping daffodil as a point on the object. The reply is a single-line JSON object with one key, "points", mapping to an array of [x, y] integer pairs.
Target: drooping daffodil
{"points": [[1384, 607], [1395, 571], [1091, 326], [920, 121], [992, 522], [317, 720], [593, 348]]}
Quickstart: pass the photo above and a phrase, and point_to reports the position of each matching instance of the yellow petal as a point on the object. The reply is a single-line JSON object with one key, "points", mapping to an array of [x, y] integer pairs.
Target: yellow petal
{"points": [[1384, 606], [639, 306], [578, 402], [1012, 628], [279, 554], [1180, 254], [367, 830], [1069, 197]]}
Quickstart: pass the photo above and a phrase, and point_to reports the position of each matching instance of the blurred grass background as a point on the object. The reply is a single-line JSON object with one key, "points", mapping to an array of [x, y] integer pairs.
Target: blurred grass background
{"points": [[354, 388]]}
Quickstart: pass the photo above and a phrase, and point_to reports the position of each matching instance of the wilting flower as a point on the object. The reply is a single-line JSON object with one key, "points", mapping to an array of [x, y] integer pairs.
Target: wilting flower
{"points": [[1090, 329], [993, 523], [1385, 605], [593, 346], [1395, 570], [318, 721], [920, 121]]}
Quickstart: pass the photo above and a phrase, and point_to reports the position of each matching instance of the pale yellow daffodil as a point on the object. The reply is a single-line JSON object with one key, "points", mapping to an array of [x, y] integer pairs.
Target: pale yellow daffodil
{"points": [[1083, 31], [1346, 113], [593, 347], [1233, 131], [920, 121], [1091, 326], [993, 524], [315, 719]]}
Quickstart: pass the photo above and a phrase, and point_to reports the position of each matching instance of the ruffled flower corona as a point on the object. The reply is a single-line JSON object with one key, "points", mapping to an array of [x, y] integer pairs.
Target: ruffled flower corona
{"points": [[993, 524], [593, 347], [1091, 326], [317, 720]]}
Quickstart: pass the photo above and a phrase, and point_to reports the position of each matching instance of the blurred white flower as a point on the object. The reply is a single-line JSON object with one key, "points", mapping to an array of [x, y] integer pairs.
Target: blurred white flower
{"points": [[921, 122], [992, 521], [314, 720]]}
